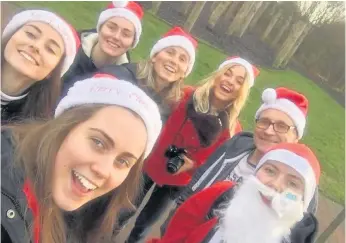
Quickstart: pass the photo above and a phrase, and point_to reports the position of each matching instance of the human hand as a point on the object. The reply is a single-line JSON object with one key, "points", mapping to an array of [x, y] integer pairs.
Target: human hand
{"points": [[188, 165]]}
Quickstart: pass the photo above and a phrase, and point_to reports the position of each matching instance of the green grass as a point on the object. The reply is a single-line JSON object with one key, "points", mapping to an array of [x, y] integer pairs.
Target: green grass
{"points": [[325, 128]]}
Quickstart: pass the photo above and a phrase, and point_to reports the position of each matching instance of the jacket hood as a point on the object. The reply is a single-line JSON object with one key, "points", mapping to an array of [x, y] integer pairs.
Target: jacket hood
{"points": [[89, 39]]}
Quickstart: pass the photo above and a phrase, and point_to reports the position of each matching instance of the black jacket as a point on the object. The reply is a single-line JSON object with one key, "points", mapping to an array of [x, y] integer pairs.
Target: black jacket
{"points": [[82, 63], [16, 219], [12, 111]]}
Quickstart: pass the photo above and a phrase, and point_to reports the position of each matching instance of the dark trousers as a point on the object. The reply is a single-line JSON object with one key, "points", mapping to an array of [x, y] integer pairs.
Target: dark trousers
{"points": [[154, 208]]}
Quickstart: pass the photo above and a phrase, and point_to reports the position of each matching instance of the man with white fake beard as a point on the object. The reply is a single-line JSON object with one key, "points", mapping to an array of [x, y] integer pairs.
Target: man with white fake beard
{"points": [[262, 210]]}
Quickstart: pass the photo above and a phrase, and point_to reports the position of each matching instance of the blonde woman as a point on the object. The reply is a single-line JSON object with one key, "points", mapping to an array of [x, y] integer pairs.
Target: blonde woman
{"points": [[202, 121]]}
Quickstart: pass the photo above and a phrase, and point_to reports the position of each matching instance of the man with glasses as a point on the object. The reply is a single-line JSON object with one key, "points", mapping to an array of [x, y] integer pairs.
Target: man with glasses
{"points": [[281, 118]]}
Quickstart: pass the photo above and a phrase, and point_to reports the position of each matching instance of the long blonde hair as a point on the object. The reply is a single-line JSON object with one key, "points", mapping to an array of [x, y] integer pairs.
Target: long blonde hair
{"points": [[36, 146], [201, 97], [145, 73]]}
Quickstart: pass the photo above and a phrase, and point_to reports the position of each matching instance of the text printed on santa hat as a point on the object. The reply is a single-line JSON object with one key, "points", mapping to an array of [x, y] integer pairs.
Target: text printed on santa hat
{"points": [[111, 91]]}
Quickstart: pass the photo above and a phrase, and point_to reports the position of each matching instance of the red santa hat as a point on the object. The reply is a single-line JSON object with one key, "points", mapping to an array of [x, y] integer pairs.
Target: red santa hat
{"points": [[302, 159], [67, 32], [129, 10], [106, 89], [294, 104], [177, 37], [252, 70]]}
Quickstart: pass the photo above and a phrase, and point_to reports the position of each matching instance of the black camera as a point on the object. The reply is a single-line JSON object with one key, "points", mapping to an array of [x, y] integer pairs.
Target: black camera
{"points": [[175, 158]]}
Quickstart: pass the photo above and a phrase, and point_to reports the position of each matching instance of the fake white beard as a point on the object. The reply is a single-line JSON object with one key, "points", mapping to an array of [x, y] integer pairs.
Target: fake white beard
{"points": [[247, 219]]}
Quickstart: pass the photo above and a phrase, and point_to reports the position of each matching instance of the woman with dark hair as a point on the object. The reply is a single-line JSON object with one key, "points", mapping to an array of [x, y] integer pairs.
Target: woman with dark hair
{"points": [[118, 30], [115, 125], [38, 47]]}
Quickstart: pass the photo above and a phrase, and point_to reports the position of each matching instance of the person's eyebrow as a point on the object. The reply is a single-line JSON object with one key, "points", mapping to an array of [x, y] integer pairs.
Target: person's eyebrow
{"points": [[105, 135], [296, 177], [55, 43], [127, 154], [272, 165], [35, 27]]}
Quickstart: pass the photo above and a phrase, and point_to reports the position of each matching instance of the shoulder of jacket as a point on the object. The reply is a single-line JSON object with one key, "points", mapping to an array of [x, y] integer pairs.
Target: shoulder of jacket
{"points": [[242, 138], [7, 147]]}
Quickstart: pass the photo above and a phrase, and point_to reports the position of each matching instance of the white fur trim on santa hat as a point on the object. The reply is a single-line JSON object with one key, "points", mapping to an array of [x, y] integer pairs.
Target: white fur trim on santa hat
{"points": [[300, 164], [245, 64], [53, 20], [176, 40], [124, 13], [285, 106], [110, 91]]}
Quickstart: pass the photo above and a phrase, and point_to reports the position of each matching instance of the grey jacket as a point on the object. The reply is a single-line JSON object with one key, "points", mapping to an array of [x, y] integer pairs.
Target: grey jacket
{"points": [[220, 165]]}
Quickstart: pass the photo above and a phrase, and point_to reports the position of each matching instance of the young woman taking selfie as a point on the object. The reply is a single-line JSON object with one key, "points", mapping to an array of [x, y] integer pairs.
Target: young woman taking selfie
{"points": [[45, 176]]}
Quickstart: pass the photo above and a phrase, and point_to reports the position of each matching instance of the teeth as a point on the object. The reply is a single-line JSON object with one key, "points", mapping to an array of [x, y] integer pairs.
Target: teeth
{"points": [[113, 45], [26, 56], [169, 68], [84, 181], [226, 88]]}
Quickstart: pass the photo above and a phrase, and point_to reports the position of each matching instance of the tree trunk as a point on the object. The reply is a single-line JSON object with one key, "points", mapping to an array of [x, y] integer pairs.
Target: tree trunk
{"points": [[270, 26], [259, 14], [231, 11], [197, 9], [283, 28], [297, 44], [155, 6], [239, 19], [217, 12], [288, 44], [213, 5], [185, 7], [255, 7]]}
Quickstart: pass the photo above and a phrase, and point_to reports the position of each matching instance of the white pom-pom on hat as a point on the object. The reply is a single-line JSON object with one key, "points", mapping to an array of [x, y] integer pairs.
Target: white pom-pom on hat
{"points": [[120, 4], [269, 96]]}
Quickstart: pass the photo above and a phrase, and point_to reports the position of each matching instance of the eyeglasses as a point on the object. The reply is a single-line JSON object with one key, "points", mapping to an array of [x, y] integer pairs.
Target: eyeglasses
{"points": [[279, 127]]}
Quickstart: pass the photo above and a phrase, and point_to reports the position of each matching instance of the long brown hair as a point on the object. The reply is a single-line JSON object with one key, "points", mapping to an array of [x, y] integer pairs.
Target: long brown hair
{"points": [[37, 144], [44, 94]]}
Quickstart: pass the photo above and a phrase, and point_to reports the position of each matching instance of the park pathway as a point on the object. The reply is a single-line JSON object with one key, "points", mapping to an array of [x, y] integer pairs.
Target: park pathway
{"points": [[327, 210]]}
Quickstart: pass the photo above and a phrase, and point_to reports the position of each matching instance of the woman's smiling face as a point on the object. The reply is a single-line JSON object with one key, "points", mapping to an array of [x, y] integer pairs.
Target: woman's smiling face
{"points": [[35, 50], [96, 156]]}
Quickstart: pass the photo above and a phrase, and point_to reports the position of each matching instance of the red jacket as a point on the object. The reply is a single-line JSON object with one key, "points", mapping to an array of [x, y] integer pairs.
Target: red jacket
{"points": [[180, 131], [189, 223]]}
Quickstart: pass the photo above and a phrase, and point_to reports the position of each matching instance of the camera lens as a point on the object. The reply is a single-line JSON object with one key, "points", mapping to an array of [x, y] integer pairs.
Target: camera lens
{"points": [[172, 168], [174, 164]]}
